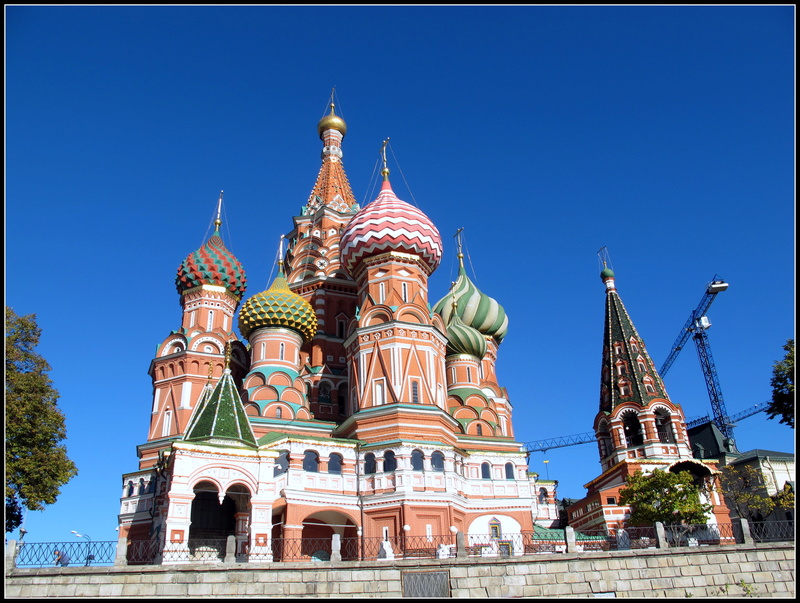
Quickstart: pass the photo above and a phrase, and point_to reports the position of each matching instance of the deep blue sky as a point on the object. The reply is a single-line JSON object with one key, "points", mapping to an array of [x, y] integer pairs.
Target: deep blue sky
{"points": [[665, 134]]}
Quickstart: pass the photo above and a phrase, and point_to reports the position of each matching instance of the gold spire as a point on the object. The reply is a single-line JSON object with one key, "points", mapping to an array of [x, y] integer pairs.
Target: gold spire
{"points": [[218, 221], [385, 170], [331, 122]]}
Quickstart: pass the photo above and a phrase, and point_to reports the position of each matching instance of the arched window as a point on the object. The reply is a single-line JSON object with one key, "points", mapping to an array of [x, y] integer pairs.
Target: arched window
{"points": [[542, 496], [509, 470], [633, 429], [417, 459], [437, 461], [311, 461], [130, 489], [369, 464], [279, 413], [479, 429], [664, 427], [324, 393], [340, 329], [486, 471], [281, 463], [335, 463], [389, 461]]}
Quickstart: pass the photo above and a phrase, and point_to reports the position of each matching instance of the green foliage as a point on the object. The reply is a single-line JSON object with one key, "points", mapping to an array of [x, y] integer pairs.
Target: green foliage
{"points": [[671, 498], [785, 498], [36, 463], [782, 404], [744, 491]]}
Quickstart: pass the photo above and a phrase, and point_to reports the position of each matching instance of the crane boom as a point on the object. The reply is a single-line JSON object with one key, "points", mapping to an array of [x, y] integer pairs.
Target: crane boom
{"points": [[717, 285]]}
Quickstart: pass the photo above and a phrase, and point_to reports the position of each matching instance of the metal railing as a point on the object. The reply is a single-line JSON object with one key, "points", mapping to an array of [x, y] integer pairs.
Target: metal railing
{"points": [[772, 531], [616, 539], [153, 552], [703, 534], [43, 554]]}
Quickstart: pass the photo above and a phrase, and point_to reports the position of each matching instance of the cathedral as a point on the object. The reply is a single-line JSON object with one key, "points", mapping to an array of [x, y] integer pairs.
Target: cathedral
{"points": [[348, 404]]}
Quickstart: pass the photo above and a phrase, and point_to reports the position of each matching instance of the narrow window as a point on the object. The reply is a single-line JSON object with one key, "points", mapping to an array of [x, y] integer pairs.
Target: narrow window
{"points": [[311, 461], [379, 393], [417, 460], [167, 424], [479, 429], [494, 529], [641, 365], [382, 293], [191, 319], [385, 533], [486, 471], [509, 470], [437, 461], [155, 400], [279, 413], [389, 462], [469, 375], [335, 463], [405, 292], [415, 392], [283, 351], [429, 532], [369, 464], [263, 350], [210, 320], [340, 329]]}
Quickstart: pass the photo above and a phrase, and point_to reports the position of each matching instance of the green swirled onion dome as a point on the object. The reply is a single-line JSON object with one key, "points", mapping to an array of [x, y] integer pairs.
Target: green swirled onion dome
{"points": [[278, 306], [476, 309], [463, 339], [212, 264]]}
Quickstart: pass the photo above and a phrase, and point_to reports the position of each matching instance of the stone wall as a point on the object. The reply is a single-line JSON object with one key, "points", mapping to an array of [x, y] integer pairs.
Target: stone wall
{"points": [[764, 570]]}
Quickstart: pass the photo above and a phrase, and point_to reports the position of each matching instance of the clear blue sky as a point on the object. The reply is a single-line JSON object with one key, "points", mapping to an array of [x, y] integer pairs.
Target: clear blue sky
{"points": [[663, 133]]}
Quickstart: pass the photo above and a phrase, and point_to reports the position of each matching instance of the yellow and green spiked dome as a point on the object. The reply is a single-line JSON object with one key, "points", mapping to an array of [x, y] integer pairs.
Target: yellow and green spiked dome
{"points": [[278, 306], [212, 264]]}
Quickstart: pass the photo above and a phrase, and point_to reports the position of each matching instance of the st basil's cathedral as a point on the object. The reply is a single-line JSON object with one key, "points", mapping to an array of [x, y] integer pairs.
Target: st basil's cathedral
{"points": [[356, 407], [352, 406]]}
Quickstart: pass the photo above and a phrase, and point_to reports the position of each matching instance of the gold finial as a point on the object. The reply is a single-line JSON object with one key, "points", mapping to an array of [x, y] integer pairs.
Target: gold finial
{"points": [[457, 237], [218, 221], [280, 254], [385, 170], [210, 372], [228, 355]]}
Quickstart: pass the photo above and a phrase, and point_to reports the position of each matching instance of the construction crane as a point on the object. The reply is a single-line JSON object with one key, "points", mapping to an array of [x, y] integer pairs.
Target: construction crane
{"points": [[696, 327]]}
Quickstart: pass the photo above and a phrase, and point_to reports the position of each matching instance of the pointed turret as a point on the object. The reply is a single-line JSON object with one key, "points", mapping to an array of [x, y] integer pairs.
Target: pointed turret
{"points": [[220, 418], [332, 189], [628, 373]]}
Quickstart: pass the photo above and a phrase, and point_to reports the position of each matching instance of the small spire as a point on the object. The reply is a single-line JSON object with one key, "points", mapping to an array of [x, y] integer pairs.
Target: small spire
{"points": [[460, 254], [218, 221], [385, 170], [228, 356], [280, 255], [210, 372]]}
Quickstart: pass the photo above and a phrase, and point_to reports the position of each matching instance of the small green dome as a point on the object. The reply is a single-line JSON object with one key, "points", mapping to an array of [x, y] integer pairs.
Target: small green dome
{"points": [[463, 339], [278, 306], [606, 273]]}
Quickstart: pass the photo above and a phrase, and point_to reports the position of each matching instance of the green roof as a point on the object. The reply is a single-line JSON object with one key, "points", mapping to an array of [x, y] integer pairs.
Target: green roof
{"points": [[219, 415]]}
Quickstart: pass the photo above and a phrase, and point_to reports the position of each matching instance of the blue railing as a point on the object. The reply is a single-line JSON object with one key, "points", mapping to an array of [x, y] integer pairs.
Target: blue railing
{"points": [[44, 554]]}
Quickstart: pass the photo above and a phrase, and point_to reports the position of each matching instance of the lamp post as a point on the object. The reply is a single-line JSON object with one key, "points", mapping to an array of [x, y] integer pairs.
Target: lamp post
{"points": [[89, 556]]}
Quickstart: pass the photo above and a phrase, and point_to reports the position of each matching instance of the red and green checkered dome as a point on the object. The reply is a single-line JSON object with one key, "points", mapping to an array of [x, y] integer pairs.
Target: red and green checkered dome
{"points": [[212, 264]]}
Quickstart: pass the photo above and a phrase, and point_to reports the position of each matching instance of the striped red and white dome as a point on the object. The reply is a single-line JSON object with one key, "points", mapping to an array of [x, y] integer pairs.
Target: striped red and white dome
{"points": [[389, 224]]}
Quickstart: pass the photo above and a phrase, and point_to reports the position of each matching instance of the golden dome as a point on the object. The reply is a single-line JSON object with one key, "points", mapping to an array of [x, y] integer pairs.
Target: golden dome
{"points": [[331, 122]]}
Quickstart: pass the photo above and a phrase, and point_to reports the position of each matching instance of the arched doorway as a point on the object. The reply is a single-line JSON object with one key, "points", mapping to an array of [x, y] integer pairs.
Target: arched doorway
{"points": [[215, 517]]}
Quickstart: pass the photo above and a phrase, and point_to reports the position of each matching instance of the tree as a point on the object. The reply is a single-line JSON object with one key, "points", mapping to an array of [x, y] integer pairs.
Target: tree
{"points": [[671, 498], [745, 492], [782, 404], [36, 462]]}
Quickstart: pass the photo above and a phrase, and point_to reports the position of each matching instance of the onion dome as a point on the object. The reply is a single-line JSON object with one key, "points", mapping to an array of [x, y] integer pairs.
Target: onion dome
{"points": [[389, 224], [463, 339], [212, 264], [278, 306], [476, 309], [331, 122]]}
